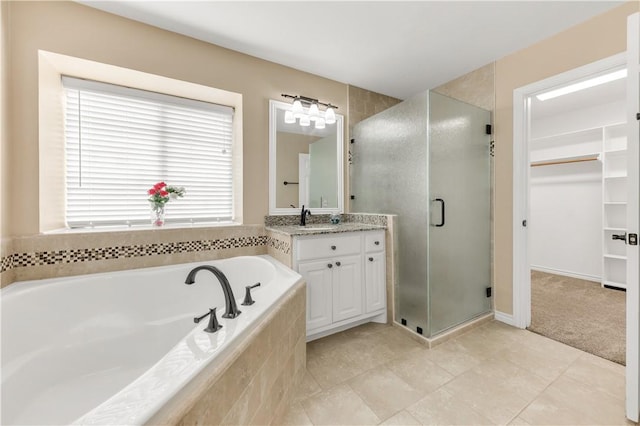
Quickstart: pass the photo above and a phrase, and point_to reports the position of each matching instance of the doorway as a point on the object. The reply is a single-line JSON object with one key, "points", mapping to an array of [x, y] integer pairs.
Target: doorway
{"points": [[577, 203], [521, 273]]}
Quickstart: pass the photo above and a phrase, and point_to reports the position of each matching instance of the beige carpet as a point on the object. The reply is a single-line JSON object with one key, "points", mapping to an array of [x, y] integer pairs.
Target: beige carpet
{"points": [[579, 313]]}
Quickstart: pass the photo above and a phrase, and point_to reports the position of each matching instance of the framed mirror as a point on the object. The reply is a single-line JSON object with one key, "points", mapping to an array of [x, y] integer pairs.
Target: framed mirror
{"points": [[305, 164]]}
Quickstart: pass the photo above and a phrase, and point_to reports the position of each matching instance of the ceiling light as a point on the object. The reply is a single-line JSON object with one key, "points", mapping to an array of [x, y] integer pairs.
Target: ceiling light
{"points": [[305, 117], [596, 81]]}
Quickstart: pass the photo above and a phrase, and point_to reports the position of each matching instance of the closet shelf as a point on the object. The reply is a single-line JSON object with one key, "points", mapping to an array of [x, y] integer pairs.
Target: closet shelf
{"points": [[614, 256], [616, 177], [614, 284], [615, 203], [615, 229], [616, 152], [589, 131], [566, 160]]}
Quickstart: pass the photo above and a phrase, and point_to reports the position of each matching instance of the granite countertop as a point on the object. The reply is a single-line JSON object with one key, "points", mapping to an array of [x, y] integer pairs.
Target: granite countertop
{"points": [[323, 228]]}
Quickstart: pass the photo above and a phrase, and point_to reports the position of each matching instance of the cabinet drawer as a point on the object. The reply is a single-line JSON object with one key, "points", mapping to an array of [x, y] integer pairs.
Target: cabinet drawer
{"points": [[374, 241], [328, 247]]}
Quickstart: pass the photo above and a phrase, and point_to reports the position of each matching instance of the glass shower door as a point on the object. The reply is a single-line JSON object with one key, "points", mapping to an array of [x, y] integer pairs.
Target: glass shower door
{"points": [[389, 175], [459, 232]]}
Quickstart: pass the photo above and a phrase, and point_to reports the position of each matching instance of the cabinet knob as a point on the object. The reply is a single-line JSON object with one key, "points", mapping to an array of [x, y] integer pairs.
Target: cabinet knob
{"points": [[329, 265], [371, 259], [377, 243], [333, 247], [338, 264]]}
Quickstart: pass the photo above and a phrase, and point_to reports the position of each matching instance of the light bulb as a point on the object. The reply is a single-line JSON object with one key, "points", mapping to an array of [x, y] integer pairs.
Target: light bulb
{"points": [[314, 112], [289, 118], [330, 115], [304, 121], [320, 123], [297, 109]]}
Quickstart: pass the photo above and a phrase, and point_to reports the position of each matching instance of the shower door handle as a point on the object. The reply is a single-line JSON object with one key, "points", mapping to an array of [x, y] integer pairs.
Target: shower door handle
{"points": [[441, 210]]}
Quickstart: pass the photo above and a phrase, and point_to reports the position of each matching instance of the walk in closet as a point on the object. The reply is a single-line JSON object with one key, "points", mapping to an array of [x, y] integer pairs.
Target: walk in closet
{"points": [[578, 184]]}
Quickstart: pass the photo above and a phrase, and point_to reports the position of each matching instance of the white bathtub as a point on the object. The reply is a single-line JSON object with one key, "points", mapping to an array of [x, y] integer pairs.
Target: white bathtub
{"points": [[113, 348]]}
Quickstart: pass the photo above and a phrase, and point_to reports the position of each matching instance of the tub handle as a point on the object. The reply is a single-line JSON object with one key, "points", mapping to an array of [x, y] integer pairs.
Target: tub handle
{"points": [[329, 265], [248, 300], [214, 325]]}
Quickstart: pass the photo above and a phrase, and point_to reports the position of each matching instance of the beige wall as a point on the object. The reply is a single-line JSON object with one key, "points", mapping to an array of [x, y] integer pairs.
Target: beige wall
{"points": [[4, 114], [72, 29], [597, 38]]}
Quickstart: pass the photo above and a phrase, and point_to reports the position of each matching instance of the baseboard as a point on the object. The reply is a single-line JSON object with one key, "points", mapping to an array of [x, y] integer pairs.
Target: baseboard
{"points": [[505, 318], [566, 273]]}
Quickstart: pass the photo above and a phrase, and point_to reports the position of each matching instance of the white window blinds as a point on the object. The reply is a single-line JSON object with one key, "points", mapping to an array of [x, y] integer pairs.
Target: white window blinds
{"points": [[121, 141]]}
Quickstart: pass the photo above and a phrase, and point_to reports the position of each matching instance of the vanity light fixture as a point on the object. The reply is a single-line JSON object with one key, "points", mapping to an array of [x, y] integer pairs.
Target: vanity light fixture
{"points": [[313, 115]]}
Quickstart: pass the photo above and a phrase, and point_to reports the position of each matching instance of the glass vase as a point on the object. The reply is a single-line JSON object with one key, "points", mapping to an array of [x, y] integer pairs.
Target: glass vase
{"points": [[157, 215]]}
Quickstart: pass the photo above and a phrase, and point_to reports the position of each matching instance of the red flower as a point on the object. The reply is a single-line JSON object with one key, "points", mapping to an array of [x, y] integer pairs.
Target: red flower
{"points": [[163, 193], [151, 191], [159, 185]]}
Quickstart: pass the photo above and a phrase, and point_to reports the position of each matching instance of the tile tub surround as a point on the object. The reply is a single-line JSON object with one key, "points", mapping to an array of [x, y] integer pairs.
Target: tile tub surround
{"points": [[77, 253], [492, 374], [255, 385]]}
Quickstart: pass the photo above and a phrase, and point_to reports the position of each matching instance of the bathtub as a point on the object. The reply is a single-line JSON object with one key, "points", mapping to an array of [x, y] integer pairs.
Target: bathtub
{"points": [[114, 348]]}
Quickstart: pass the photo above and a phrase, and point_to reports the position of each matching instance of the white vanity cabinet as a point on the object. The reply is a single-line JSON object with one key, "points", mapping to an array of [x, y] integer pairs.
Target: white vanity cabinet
{"points": [[346, 279]]}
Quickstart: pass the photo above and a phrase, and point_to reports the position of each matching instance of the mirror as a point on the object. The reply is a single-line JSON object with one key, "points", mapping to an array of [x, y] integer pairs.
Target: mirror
{"points": [[305, 164]]}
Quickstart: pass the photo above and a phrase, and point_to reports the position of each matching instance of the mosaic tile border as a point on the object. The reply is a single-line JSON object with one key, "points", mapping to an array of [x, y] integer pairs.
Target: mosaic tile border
{"points": [[23, 260], [279, 245]]}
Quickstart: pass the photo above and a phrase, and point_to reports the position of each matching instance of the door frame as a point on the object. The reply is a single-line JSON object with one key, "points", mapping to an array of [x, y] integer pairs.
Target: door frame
{"points": [[521, 176]]}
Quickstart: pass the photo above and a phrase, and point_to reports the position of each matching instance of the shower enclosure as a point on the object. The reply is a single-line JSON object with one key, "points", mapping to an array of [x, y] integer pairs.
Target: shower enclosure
{"points": [[427, 161]]}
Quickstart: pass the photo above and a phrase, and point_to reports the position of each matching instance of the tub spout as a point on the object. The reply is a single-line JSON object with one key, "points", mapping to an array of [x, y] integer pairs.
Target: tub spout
{"points": [[232, 310]]}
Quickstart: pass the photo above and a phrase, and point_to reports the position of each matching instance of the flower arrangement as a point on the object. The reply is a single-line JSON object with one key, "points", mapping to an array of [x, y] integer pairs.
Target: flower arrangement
{"points": [[159, 195]]}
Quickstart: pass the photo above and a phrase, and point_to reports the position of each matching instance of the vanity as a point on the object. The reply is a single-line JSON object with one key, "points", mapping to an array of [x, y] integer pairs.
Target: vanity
{"points": [[344, 264], [344, 267]]}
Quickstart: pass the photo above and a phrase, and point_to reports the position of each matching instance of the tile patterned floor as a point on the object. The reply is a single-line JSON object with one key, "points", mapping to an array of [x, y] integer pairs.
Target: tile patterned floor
{"points": [[493, 374]]}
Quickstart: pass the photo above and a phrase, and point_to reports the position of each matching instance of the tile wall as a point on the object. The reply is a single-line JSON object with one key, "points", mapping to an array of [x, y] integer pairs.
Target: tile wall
{"points": [[364, 103], [66, 254]]}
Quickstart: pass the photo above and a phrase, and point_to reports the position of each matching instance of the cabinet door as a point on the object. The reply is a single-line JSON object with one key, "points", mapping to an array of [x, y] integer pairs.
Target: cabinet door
{"points": [[375, 281], [347, 287], [318, 276]]}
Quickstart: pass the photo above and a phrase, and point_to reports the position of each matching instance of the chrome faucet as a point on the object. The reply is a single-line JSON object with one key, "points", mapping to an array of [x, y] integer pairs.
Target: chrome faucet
{"points": [[232, 310], [303, 216]]}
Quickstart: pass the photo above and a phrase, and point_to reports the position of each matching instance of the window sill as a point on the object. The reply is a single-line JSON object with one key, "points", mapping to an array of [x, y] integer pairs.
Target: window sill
{"points": [[138, 228]]}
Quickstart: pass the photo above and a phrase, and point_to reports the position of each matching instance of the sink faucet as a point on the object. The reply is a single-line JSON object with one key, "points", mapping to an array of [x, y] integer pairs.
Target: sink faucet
{"points": [[232, 310], [303, 216]]}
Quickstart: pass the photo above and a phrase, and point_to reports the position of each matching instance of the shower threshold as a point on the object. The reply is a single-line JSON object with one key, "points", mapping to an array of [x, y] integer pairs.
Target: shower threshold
{"points": [[448, 334]]}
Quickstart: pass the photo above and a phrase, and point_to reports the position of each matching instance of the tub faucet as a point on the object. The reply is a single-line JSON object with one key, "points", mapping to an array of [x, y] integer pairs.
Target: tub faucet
{"points": [[303, 216], [232, 310]]}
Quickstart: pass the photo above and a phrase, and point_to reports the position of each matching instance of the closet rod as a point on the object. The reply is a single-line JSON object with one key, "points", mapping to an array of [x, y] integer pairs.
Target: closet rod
{"points": [[578, 159]]}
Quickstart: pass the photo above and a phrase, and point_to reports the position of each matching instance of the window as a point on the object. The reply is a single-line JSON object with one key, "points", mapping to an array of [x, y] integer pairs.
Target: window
{"points": [[119, 142]]}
